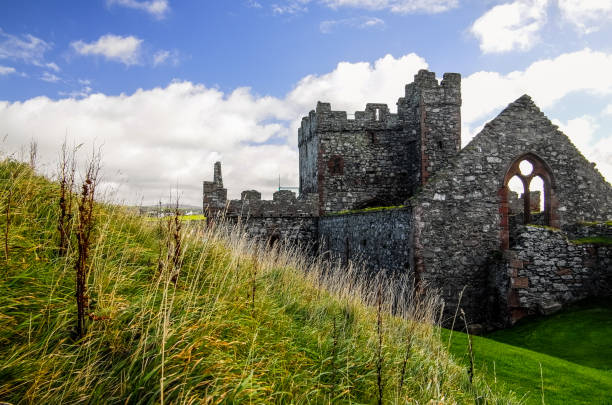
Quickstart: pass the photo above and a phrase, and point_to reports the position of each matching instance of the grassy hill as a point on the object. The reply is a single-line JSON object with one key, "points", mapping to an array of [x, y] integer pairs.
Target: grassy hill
{"points": [[221, 322]]}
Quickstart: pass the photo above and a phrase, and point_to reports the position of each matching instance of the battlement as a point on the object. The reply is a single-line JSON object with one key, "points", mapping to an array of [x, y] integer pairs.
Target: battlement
{"points": [[426, 89], [376, 156], [284, 204], [376, 116]]}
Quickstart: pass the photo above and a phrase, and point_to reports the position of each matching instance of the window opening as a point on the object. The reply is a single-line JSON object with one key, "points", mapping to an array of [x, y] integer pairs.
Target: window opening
{"points": [[525, 167], [527, 197]]}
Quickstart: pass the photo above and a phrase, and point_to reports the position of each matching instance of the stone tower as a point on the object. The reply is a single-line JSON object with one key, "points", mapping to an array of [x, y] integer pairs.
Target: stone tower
{"points": [[215, 196], [379, 158]]}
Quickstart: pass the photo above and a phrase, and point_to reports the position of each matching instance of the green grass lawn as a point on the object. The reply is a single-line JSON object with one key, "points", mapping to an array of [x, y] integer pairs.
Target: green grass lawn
{"points": [[581, 334], [574, 349]]}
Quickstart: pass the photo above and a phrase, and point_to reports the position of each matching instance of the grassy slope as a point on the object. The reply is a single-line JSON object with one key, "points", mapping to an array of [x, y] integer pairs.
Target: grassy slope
{"points": [[581, 334], [202, 340]]}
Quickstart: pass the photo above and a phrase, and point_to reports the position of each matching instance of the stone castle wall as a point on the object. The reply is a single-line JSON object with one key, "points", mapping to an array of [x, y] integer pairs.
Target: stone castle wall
{"points": [[381, 240], [545, 271], [359, 162]]}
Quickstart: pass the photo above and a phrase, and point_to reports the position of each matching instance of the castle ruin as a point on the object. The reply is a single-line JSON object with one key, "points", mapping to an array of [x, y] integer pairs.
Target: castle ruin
{"points": [[397, 193]]}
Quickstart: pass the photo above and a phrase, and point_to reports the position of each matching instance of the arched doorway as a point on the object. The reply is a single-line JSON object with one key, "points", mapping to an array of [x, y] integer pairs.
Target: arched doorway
{"points": [[537, 204]]}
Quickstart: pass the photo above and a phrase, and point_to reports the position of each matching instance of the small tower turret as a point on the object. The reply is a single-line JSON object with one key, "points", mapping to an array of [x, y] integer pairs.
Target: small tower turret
{"points": [[214, 195]]}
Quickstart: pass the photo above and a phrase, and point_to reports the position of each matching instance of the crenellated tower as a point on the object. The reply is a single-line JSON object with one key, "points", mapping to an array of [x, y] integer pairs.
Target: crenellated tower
{"points": [[378, 158]]}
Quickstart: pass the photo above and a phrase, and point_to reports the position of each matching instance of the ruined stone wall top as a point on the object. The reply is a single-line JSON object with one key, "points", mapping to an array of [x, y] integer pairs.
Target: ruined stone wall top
{"points": [[283, 204], [376, 116]]}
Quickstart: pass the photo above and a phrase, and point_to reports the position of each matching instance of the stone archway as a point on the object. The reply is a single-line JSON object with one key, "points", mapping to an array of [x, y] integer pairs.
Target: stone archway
{"points": [[541, 170]]}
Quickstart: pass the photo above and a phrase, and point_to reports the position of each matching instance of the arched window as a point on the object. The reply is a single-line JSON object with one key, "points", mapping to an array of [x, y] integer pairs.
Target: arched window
{"points": [[527, 195]]}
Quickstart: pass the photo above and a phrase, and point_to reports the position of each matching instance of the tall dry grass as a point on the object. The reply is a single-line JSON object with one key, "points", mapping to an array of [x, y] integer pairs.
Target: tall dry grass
{"points": [[241, 322]]}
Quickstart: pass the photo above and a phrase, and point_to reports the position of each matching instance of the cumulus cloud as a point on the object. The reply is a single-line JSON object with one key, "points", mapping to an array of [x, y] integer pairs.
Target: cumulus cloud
{"points": [[6, 70], [586, 16], [116, 48], [156, 137], [547, 81], [510, 26], [156, 8], [328, 26]]}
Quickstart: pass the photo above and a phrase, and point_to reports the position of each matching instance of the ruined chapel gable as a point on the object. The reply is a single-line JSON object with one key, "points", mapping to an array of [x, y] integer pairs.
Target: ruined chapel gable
{"points": [[459, 214]]}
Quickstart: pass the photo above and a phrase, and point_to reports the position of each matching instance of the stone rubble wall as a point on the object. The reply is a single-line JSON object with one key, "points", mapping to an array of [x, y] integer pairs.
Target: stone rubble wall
{"points": [[301, 231], [516, 204], [589, 230], [382, 240], [546, 271]]}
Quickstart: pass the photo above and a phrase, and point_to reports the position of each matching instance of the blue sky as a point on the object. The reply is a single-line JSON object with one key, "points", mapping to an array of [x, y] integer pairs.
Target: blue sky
{"points": [[168, 87]]}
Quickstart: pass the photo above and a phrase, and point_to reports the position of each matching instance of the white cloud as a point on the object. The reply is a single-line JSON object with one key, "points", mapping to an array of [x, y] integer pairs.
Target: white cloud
{"points": [[581, 131], [84, 90], [510, 26], [27, 48], [49, 77], [160, 57], [547, 81], [253, 4], [394, 6], [157, 8], [113, 47], [586, 15], [328, 26], [290, 7], [6, 70], [152, 138], [164, 56], [397, 6], [53, 66], [608, 110]]}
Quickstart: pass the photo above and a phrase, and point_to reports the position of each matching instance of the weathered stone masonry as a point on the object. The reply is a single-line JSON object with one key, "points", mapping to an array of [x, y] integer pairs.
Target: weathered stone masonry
{"points": [[376, 159], [460, 228], [545, 271], [379, 239]]}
